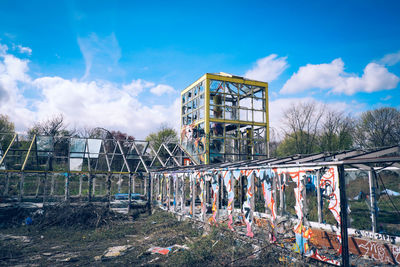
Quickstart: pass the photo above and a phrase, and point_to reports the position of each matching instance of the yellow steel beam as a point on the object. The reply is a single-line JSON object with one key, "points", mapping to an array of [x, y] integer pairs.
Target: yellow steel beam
{"points": [[207, 118], [27, 154], [236, 79], [238, 122], [8, 148]]}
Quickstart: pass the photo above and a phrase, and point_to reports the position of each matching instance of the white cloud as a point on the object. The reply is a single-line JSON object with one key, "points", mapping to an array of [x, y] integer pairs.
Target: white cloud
{"points": [[83, 103], [391, 59], [162, 89], [268, 68], [332, 76], [137, 86], [24, 50]]}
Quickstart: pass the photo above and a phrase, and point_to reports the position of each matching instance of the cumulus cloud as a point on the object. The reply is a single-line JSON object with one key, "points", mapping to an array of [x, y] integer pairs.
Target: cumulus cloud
{"points": [[391, 59], [105, 104], [268, 68], [332, 76], [162, 89]]}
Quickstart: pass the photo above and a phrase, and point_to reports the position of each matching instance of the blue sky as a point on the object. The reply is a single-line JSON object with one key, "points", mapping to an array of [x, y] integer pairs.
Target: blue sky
{"points": [[122, 64]]}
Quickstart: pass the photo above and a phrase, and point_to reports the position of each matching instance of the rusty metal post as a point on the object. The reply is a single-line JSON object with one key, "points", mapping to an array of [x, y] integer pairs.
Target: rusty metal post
{"points": [[343, 217]]}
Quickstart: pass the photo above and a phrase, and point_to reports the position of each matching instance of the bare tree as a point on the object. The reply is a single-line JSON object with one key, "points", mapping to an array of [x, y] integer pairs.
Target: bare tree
{"points": [[53, 126], [336, 131], [302, 123], [377, 128]]}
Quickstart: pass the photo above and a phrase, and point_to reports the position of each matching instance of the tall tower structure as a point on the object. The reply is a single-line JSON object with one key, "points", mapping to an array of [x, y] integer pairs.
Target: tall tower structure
{"points": [[224, 118]]}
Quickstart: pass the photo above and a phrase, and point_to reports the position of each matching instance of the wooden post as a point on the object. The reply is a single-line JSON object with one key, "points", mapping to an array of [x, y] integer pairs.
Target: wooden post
{"points": [[176, 193], [252, 202], [90, 187], [319, 202], [233, 190], [183, 194], [193, 196], [130, 192], [281, 206], [133, 183], [372, 198], [5, 193], [21, 187], [343, 218], [158, 188], [38, 186], [66, 191], [168, 192], [52, 184], [109, 190], [145, 185], [80, 184], [44, 188], [151, 177], [274, 186], [149, 195], [94, 186]]}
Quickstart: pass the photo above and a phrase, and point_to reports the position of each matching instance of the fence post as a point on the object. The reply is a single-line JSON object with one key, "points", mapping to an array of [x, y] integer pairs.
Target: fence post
{"points": [[5, 193], [109, 190], [66, 192], [130, 192], [319, 196], [343, 217], [21, 187], [90, 187], [149, 194], [372, 198]]}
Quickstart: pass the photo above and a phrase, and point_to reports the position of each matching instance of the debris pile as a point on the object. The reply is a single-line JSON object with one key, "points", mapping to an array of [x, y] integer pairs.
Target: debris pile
{"points": [[82, 216]]}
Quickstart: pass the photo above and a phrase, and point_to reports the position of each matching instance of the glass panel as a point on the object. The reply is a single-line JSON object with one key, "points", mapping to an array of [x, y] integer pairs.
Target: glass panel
{"points": [[195, 103], [201, 87], [245, 103], [245, 90], [216, 112], [184, 110], [231, 88], [196, 91], [184, 120], [258, 103], [195, 115], [216, 129], [189, 119], [77, 147], [44, 145], [216, 86], [231, 113], [259, 116], [231, 130], [216, 99], [245, 115], [201, 100], [259, 92], [201, 115], [93, 148]]}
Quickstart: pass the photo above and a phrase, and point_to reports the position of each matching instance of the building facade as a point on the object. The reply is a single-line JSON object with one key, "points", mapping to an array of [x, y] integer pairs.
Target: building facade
{"points": [[224, 118]]}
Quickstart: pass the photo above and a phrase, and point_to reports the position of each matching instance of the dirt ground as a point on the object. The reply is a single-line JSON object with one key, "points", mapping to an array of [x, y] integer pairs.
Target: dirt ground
{"points": [[108, 239]]}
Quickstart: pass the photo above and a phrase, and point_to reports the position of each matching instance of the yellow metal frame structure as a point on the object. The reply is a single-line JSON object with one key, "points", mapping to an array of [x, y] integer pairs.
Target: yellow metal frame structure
{"points": [[226, 78]]}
